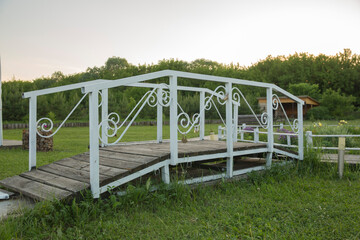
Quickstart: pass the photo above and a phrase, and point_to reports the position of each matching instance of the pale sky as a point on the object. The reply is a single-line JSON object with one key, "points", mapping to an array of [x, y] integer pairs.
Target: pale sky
{"points": [[39, 37]]}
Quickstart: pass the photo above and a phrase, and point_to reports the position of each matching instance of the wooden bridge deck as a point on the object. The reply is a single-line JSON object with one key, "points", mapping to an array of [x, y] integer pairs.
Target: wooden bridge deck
{"points": [[67, 177]]}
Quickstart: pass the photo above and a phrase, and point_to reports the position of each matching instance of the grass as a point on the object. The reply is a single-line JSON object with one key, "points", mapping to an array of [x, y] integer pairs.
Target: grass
{"points": [[304, 200], [288, 202]]}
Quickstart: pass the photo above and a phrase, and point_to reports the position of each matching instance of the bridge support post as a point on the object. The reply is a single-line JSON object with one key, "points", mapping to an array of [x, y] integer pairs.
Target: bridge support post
{"points": [[229, 135], [32, 132], [173, 120], [94, 143], [202, 115], [104, 115], [159, 121], [236, 118], [270, 137], [300, 129], [165, 174]]}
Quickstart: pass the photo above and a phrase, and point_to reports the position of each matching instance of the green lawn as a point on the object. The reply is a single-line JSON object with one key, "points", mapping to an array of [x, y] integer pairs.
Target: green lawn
{"points": [[305, 200]]}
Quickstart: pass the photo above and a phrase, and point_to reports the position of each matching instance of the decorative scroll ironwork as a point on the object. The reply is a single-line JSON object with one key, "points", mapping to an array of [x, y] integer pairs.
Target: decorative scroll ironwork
{"points": [[46, 124], [185, 122], [276, 103], [264, 119], [151, 98]]}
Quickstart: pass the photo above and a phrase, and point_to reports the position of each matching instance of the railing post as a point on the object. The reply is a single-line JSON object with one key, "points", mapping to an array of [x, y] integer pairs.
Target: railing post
{"points": [[202, 115], [104, 115], [220, 133], [288, 140], [256, 135], [94, 143], [300, 129], [159, 121], [32, 132], [270, 137], [309, 141], [242, 132], [236, 118], [341, 156], [229, 126], [173, 120]]}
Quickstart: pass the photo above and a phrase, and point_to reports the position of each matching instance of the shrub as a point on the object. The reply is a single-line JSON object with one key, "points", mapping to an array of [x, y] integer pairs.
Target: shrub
{"points": [[318, 113]]}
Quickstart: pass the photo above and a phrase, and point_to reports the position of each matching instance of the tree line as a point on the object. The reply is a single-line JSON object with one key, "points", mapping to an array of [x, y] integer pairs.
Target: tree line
{"points": [[332, 80]]}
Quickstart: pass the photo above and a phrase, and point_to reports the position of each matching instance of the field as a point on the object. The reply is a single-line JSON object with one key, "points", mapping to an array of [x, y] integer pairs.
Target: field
{"points": [[304, 200]]}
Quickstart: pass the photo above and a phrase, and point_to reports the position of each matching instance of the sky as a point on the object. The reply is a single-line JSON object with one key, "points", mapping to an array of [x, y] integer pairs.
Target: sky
{"points": [[39, 37]]}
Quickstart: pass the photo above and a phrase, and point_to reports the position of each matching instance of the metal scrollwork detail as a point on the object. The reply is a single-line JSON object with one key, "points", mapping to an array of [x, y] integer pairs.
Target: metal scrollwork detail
{"points": [[44, 126]]}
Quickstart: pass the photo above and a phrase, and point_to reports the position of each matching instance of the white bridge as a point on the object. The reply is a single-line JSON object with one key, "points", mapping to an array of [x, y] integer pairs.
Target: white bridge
{"points": [[103, 172]]}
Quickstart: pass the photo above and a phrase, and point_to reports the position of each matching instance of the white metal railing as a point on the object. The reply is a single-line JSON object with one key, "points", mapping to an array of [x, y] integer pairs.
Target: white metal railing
{"points": [[255, 131], [310, 143], [165, 95]]}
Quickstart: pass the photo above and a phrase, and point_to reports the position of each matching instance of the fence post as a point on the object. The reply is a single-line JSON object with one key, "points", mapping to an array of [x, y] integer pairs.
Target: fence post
{"points": [[220, 130], [341, 156], [173, 120], [270, 137], [256, 135], [202, 115], [288, 140], [104, 115], [159, 121], [236, 118], [309, 141], [229, 126], [300, 131], [241, 132], [94, 143], [32, 132]]}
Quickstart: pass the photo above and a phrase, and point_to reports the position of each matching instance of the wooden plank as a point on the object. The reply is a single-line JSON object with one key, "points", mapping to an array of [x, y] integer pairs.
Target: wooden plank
{"points": [[126, 156], [112, 162], [33, 189], [79, 175], [55, 181], [139, 150], [81, 165]]}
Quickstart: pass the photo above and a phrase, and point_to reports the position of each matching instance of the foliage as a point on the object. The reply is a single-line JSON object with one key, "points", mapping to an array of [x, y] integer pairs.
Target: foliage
{"points": [[339, 105], [318, 113], [300, 73]]}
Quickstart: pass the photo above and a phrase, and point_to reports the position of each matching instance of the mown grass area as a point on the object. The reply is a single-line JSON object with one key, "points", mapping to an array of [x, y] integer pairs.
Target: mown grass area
{"points": [[298, 201], [303, 200], [69, 142]]}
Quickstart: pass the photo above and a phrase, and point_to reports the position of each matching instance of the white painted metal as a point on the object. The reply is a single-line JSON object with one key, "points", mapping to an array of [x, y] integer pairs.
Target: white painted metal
{"points": [[286, 153], [229, 126], [133, 176], [270, 137], [247, 170], [300, 131], [235, 124], [3, 195], [256, 135], [202, 115], [250, 151], [159, 121], [63, 88], [94, 143], [203, 179], [165, 174], [173, 120], [32, 132], [104, 115]]}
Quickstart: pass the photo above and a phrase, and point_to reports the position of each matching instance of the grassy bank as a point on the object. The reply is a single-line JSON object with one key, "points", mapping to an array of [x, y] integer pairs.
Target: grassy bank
{"points": [[291, 202]]}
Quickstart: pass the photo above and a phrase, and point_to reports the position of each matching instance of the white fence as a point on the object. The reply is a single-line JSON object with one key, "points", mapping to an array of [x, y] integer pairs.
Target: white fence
{"points": [[310, 137]]}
